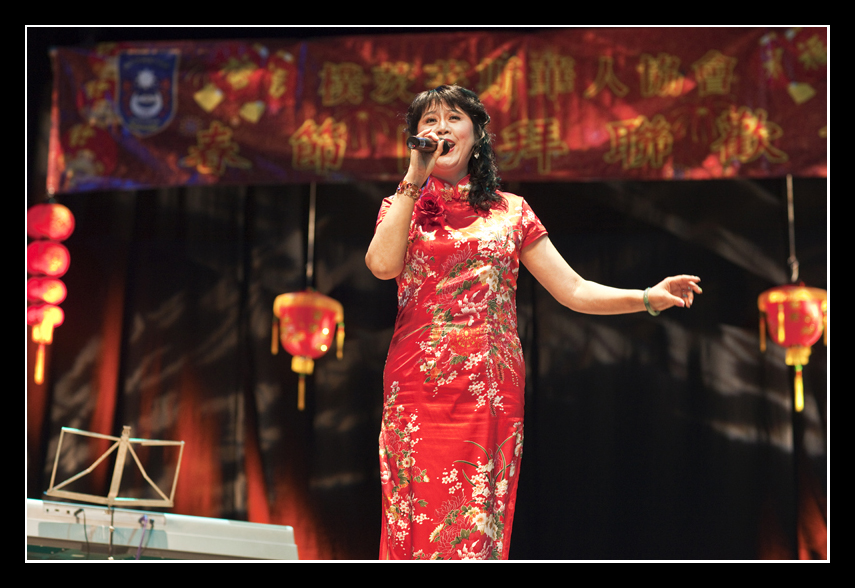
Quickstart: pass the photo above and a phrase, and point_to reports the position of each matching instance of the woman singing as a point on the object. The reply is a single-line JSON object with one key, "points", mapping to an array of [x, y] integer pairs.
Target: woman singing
{"points": [[452, 428]]}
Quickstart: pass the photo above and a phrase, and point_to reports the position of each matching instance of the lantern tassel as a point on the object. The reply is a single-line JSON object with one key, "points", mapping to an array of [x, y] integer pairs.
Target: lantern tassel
{"points": [[800, 390], [39, 375], [762, 333], [339, 340], [301, 393], [274, 341]]}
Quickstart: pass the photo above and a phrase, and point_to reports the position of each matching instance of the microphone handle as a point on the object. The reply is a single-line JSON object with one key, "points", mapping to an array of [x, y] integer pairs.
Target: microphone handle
{"points": [[426, 145]]}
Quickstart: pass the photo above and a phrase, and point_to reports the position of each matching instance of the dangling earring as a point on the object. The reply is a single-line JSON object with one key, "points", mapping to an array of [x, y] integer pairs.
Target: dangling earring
{"points": [[481, 140]]}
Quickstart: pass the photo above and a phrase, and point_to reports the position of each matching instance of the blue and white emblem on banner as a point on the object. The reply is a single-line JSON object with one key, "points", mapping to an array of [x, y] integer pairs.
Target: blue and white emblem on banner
{"points": [[147, 90]]}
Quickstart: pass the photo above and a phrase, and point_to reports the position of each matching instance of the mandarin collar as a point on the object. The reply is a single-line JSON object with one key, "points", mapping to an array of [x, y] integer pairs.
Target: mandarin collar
{"points": [[448, 192]]}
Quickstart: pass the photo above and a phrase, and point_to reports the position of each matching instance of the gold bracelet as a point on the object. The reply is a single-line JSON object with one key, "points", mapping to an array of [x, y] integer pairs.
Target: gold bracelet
{"points": [[408, 189]]}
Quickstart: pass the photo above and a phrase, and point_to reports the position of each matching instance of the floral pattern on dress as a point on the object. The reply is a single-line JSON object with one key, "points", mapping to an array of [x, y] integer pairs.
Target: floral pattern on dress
{"points": [[472, 328], [398, 469], [451, 433], [472, 520]]}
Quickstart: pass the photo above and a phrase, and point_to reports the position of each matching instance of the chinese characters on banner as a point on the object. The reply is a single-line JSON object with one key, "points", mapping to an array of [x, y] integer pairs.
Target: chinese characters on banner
{"points": [[571, 104]]}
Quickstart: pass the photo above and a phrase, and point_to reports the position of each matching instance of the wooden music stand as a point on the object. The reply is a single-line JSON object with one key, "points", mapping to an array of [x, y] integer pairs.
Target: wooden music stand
{"points": [[122, 445]]}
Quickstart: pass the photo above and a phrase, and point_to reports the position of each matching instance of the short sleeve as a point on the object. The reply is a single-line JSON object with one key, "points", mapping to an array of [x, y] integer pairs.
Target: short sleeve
{"points": [[532, 228], [384, 208]]}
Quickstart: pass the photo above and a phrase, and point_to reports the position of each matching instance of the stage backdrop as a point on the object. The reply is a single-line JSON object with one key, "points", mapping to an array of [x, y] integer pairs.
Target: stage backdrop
{"points": [[570, 104], [665, 437]]}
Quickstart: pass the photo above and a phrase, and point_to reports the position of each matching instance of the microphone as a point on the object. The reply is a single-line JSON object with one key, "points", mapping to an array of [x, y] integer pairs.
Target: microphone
{"points": [[426, 145]]}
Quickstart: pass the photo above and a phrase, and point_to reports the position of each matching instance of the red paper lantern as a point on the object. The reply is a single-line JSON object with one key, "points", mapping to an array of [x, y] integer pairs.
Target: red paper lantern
{"points": [[44, 317], [50, 221], [50, 290], [47, 260], [306, 323], [796, 317]]}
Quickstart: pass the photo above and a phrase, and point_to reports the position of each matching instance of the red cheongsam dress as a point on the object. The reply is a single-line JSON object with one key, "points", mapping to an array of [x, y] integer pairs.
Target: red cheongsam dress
{"points": [[452, 429]]}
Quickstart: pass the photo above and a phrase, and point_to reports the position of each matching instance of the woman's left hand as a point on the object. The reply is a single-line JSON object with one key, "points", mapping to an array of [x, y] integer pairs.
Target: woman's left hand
{"points": [[674, 291]]}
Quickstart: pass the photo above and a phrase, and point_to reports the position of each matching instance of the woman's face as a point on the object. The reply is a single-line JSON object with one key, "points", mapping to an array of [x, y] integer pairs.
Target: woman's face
{"points": [[456, 128]]}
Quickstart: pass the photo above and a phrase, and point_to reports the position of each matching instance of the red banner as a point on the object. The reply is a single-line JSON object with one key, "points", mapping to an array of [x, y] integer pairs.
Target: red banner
{"points": [[566, 105]]}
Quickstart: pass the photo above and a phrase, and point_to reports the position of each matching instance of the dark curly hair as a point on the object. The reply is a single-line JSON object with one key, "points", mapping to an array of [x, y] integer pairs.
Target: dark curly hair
{"points": [[483, 173]]}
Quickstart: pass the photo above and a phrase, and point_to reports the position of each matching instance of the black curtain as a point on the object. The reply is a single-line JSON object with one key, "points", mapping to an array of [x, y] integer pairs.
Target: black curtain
{"points": [[672, 437], [665, 437]]}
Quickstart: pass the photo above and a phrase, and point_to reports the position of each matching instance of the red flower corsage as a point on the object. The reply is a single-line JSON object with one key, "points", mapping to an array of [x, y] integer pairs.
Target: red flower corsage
{"points": [[429, 212]]}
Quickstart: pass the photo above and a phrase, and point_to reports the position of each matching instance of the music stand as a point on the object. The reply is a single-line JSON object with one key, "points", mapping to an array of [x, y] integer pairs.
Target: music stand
{"points": [[122, 445]]}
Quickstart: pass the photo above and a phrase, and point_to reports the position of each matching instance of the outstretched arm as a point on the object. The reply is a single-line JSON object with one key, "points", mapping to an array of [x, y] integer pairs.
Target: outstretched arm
{"points": [[570, 289]]}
